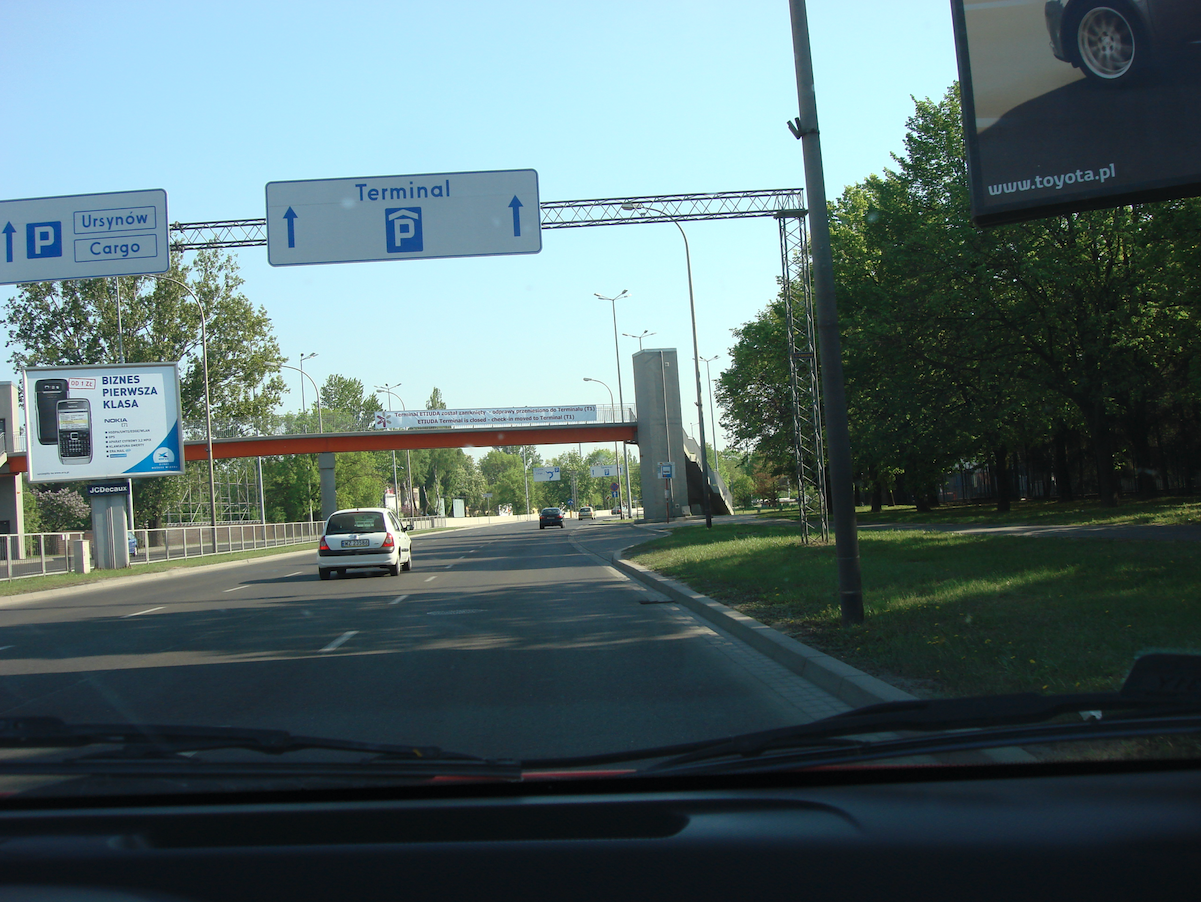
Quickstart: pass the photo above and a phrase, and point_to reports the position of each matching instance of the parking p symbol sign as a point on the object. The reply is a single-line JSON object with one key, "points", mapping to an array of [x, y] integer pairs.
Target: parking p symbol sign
{"points": [[404, 229], [43, 239]]}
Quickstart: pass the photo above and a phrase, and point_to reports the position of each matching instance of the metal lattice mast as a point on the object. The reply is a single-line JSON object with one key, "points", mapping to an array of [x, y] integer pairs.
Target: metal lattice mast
{"points": [[237, 495], [803, 382]]}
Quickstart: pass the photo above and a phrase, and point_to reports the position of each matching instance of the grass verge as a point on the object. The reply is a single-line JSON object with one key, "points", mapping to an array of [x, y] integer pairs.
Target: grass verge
{"points": [[957, 615]]}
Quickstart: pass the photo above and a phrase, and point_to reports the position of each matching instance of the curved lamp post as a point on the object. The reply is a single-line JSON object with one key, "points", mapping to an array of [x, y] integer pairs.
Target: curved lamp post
{"points": [[700, 404], [620, 398], [208, 404], [620, 503], [303, 407], [645, 334], [285, 366], [408, 453]]}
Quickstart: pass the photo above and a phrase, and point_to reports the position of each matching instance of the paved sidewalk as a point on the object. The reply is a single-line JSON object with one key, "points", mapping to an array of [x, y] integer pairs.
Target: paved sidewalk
{"points": [[1134, 532]]}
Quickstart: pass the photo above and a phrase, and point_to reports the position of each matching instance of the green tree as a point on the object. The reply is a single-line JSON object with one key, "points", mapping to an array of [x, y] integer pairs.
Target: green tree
{"points": [[964, 344], [358, 480], [75, 323], [346, 407], [62, 510]]}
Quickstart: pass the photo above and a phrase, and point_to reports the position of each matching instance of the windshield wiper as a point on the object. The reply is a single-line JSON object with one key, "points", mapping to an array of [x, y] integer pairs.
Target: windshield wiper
{"points": [[1161, 695], [161, 748]]}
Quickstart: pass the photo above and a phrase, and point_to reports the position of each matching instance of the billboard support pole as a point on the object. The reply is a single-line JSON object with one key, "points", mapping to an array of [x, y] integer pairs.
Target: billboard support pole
{"points": [[842, 499]]}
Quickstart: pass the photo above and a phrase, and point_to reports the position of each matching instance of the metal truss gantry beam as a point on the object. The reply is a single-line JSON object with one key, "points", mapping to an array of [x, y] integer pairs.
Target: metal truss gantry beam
{"points": [[786, 205], [556, 214]]}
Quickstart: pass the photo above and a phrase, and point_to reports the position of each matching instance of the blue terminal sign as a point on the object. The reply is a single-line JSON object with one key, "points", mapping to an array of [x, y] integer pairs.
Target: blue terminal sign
{"points": [[85, 236], [403, 217]]}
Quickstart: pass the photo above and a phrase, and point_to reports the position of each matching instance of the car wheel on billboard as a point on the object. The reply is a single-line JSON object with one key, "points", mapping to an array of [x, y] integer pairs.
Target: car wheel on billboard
{"points": [[1109, 43]]}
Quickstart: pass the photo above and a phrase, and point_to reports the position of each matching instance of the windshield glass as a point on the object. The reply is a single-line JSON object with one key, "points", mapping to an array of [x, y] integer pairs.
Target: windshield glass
{"points": [[365, 521], [501, 350]]}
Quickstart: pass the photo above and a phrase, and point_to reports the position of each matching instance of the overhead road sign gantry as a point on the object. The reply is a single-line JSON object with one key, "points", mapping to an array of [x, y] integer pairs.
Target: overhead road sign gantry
{"points": [[84, 236], [403, 217]]}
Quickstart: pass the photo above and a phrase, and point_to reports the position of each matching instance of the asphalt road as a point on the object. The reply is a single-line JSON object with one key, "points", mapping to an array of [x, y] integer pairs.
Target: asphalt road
{"points": [[502, 641]]}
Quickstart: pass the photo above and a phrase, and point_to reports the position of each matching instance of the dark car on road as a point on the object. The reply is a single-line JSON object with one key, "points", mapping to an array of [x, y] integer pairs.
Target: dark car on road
{"points": [[1113, 41], [550, 516]]}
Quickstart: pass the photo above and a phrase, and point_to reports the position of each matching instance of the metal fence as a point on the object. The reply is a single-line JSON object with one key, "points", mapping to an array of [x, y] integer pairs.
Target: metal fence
{"points": [[36, 554], [39, 554], [196, 541]]}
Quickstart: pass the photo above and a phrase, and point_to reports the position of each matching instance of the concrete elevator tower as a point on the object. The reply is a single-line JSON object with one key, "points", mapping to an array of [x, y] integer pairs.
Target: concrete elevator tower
{"points": [[660, 433]]}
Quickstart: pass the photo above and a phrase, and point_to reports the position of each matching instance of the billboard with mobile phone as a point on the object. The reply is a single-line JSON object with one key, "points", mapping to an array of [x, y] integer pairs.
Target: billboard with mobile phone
{"points": [[103, 422], [1078, 104]]}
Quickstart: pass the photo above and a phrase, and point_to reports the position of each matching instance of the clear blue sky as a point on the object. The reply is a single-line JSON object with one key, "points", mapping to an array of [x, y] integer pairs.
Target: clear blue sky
{"points": [[211, 100]]}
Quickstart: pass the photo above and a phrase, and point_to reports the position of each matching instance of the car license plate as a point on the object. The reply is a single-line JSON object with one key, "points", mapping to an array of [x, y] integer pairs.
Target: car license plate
{"points": [[355, 543]]}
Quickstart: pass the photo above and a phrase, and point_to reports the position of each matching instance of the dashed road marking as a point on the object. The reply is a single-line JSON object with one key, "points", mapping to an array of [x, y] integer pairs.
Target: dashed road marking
{"points": [[147, 611], [235, 588], [430, 579], [398, 599], [340, 640]]}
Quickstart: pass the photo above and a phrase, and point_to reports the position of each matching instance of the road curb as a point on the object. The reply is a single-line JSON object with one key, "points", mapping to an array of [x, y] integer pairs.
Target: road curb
{"points": [[844, 682]]}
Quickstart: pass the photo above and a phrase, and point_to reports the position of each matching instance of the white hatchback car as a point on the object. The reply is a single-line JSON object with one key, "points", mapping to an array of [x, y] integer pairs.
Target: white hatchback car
{"points": [[368, 537]]}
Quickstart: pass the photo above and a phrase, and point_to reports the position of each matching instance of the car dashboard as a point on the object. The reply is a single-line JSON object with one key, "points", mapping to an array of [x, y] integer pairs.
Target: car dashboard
{"points": [[994, 832]]}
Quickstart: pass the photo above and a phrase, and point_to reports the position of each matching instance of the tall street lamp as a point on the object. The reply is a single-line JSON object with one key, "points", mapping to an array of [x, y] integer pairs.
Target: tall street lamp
{"points": [[700, 405], [712, 415], [303, 358], [320, 422], [395, 482], [408, 453], [644, 334], [621, 399], [620, 504], [208, 402]]}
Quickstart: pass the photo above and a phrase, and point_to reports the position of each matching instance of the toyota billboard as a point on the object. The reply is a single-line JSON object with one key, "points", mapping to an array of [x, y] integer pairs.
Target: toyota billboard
{"points": [[1078, 104]]}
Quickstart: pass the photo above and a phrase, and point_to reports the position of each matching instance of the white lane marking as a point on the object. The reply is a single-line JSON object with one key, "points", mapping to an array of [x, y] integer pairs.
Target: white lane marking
{"points": [[236, 588], [430, 579], [294, 573], [447, 566], [448, 613], [398, 599], [340, 640], [6, 647], [460, 557], [147, 611]]}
